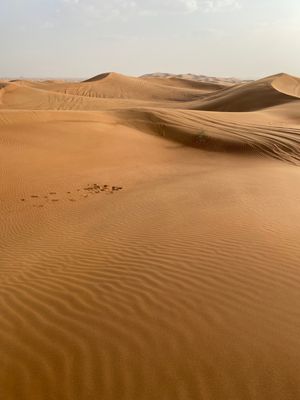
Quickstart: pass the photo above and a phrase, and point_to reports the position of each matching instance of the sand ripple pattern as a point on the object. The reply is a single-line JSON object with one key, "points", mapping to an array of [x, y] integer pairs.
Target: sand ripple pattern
{"points": [[136, 308]]}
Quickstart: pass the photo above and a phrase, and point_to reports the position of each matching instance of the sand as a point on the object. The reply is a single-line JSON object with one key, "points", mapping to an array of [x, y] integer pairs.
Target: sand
{"points": [[150, 239]]}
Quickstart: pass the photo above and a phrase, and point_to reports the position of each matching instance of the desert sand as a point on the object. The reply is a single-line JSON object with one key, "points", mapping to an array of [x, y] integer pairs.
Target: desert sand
{"points": [[150, 239]]}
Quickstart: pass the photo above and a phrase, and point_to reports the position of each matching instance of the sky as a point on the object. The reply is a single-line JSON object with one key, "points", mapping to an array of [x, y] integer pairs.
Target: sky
{"points": [[246, 39]]}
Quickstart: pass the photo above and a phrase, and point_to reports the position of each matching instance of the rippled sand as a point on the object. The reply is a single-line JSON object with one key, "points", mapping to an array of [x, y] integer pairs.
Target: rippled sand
{"points": [[137, 267]]}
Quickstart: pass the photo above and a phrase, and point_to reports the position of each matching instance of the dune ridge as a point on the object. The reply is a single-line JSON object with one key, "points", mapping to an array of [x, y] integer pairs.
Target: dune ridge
{"points": [[253, 96]]}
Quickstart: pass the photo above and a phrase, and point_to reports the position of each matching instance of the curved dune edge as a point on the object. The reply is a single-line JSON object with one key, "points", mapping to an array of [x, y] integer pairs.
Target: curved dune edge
{"points": [[222, 133], [212, 132], [264, 93], [287, 84], [100, 77]]}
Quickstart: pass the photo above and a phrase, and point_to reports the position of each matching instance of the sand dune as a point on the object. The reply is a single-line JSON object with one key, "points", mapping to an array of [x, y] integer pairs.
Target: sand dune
{"points": [[112, 91], [225, 132], [39, 96], [267, 92], [188, 83], [149, 249], [112, 85], [196, 78], [2, 87], [287, 84]]}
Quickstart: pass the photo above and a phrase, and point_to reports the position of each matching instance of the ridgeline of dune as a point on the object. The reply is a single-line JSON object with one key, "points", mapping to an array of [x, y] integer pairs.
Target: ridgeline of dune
{"points": [[267, 92]]}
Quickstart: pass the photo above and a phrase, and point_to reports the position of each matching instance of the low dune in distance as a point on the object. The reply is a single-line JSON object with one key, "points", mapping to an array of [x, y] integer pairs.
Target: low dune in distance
{"points": [[149, 238]]}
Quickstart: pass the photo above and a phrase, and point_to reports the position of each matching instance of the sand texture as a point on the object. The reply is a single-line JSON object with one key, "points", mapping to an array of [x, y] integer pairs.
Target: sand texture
{"points": [[150, 245]]}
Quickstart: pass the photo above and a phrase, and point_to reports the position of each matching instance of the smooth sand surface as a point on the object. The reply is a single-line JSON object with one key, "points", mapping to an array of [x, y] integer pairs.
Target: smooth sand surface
{"points": [[149, 240]]}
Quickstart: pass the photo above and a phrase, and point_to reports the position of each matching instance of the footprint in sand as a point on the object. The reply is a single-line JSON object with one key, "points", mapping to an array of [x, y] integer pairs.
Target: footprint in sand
{"points": [[91, 188]]}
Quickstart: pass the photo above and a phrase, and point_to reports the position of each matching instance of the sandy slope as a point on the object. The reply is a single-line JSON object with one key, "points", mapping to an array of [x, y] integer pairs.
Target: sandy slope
{"points": [[187, 83], [116, 86], [267, 92], [184, 284]]}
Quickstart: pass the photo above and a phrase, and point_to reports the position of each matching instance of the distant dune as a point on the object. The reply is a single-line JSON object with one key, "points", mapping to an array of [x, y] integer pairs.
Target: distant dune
{"points": [[267, 92], [150, 238], [189, 111], [194, 77]]}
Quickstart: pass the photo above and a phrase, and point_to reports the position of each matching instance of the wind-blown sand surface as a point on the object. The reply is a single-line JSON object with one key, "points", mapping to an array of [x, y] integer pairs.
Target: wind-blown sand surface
{"points": [[150, 239]]}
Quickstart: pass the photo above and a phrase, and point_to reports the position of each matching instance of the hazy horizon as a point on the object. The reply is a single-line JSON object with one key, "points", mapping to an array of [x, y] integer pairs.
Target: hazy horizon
{"points": [[82, 38], [80, 78]]}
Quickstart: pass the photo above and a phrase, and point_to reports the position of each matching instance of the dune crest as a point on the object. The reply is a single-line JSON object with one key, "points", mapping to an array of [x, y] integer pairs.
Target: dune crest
{"points": [[287, 84], [253, 96], [105, 75]]}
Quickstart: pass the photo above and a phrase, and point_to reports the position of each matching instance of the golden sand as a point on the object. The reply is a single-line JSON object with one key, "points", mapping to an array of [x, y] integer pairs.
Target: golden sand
{"points": [[150, 239]]}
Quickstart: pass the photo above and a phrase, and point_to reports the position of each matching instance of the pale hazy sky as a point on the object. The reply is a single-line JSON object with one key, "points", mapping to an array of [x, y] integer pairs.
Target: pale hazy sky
{"points": [[81, 38]]}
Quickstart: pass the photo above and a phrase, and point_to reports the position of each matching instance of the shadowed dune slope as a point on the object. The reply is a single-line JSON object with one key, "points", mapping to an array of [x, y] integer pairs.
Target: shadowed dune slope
{"points": [[100, 77], [274, 132], [267, 92], [2, 87], [223, 132]]}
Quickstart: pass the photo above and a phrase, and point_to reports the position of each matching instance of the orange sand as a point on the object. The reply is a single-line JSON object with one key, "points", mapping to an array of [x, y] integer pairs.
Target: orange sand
{"points": [[185, 283]]}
